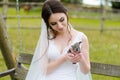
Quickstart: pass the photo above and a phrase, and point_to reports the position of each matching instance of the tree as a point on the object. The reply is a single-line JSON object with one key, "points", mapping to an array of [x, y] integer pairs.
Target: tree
{"points": [[115, 5], [27, 0], [72, 1]]}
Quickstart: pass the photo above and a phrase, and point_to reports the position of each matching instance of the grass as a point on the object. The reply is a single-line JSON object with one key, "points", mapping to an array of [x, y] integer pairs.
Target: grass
{"points": [[104, 47], [93, 23]]}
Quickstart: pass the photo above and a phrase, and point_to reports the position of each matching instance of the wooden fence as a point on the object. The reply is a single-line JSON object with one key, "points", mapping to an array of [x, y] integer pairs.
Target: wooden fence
{"points": [[20, 71], [102, 10]]}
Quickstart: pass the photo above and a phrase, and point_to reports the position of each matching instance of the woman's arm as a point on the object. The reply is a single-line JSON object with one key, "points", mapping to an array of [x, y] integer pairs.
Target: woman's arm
{"points": [[83, 56], [84, 61], [55, 64]]}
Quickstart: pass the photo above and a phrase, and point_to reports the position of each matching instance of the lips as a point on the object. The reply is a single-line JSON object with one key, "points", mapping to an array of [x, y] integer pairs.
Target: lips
{"points": [[61, 29]]}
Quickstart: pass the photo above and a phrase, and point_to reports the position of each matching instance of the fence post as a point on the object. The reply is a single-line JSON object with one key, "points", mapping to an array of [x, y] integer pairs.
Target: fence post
{"points": [[103, 17], [5, 8], [5, 47]]}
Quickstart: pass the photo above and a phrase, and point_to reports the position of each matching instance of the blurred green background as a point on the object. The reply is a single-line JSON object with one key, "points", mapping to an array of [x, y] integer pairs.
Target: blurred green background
{"points": [[104, 46]]}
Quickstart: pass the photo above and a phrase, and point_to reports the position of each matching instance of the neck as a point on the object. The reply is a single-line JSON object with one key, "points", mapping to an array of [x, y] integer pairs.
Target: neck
{"points": [[66, 36]]}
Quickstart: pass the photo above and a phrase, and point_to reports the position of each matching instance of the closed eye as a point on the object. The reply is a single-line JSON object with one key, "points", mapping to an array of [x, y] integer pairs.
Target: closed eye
{"points": [[61, 19], [53, 23]]}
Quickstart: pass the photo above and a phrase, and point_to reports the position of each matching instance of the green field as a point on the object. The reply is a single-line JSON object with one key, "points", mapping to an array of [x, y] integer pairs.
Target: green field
{"points": [[104, 47]]}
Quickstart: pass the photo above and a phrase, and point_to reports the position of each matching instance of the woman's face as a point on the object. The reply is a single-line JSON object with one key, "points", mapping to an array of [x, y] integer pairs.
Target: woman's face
{"points": [[58, 22]]}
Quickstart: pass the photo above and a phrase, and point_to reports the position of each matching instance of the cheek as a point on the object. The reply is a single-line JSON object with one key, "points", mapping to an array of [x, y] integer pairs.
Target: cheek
{"points": [[65, 23], [54, 28]]}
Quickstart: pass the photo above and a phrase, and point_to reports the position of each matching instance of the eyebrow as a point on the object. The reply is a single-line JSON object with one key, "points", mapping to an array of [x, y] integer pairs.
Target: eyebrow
{"points": [[59, 19]]}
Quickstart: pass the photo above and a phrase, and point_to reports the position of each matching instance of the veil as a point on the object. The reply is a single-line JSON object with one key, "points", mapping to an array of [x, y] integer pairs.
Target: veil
{"points": [[37, 68]]}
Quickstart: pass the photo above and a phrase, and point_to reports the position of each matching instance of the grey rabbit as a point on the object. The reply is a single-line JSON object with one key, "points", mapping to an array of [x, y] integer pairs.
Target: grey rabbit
{"points": [[76, 48]]}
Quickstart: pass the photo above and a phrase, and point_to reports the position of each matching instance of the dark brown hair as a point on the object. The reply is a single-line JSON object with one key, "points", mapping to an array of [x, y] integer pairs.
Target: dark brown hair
{"points": [[50, 7]]}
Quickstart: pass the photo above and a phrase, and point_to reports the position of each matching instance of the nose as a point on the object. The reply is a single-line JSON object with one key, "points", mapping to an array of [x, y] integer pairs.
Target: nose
{"points": [[60, 26]]}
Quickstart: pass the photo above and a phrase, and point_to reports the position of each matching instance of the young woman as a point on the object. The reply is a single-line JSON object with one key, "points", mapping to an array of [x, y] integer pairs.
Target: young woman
{"points": [[51, 60]]}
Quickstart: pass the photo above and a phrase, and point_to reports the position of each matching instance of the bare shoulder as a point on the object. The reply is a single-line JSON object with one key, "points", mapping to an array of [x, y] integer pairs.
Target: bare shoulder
{"points": [[84, 36], [75, 32]]}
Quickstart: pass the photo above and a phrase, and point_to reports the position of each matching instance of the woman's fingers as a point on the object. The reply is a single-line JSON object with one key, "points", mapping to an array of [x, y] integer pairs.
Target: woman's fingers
{"points": [[74, 56], [77, 57]]}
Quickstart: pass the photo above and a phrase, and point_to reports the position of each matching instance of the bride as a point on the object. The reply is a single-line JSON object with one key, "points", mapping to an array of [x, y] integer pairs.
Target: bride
{"points": [[51, 60]]}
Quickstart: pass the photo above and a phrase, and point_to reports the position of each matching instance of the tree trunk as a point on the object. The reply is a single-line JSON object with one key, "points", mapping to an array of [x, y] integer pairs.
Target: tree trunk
{"points": [[5, 46]]}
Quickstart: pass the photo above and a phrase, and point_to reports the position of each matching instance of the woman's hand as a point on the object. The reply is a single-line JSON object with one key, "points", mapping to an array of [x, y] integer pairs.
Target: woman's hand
{"points": [[74, 57]]}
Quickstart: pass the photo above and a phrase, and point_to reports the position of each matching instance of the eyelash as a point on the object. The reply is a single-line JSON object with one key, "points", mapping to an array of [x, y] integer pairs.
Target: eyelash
{"points": [[61, 20], [53, 24]]}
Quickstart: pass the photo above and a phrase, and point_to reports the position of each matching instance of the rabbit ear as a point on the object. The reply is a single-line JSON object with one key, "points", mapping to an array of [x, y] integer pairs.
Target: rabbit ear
{"points": [[80, 42]]}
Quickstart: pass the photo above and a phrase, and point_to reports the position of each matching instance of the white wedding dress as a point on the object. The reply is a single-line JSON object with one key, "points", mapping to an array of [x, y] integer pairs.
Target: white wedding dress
{"points": [[44, 53], [68, 70]]}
